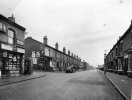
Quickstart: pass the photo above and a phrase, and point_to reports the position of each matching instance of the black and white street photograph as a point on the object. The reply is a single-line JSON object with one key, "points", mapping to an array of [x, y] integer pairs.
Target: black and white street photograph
{"points": [[65, 50]]}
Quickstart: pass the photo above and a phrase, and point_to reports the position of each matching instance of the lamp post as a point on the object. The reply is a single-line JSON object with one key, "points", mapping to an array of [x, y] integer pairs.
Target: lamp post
{"points": [[105, 62]]}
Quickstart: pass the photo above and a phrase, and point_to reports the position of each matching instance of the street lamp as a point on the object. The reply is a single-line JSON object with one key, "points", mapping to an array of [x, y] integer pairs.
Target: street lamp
{"points": [[105, 62]]}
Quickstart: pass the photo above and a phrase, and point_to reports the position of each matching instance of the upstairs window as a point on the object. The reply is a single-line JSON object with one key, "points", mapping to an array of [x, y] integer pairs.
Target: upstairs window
{"points": [[3, 27], [11, 37]]}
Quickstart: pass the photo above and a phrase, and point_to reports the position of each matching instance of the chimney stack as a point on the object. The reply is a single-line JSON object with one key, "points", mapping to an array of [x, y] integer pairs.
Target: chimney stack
{"points": [[45, 40], [72, 54], [12, 18], [64, 50], [56, 45], [69, 52]]}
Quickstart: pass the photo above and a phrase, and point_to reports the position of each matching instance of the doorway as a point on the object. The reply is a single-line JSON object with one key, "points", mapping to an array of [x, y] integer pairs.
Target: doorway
{"points": [[125, 68], [0, 64]]}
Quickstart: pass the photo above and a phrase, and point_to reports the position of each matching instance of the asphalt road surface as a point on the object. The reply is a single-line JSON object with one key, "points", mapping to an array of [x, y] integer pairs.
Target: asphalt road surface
{"points": [[83, 85]]}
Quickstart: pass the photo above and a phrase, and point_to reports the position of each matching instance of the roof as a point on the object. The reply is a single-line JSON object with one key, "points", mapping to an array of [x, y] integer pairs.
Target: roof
{"points": [[122, 37], [48, 46], [11, 22]]}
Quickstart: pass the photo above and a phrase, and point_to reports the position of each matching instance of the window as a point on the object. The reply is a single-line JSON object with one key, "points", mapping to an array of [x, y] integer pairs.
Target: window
{"points": [[11, 37], [121, 46], [116, 51], [0, 26], [3, 27]]}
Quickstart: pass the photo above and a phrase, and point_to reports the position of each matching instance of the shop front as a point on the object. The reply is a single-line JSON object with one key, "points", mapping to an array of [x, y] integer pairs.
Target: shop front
{"points": [[11, 60]]}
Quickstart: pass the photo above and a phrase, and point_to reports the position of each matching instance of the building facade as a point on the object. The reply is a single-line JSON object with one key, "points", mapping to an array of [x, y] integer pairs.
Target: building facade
{"points": [[46, 57], [12, 49], [119, 59]]}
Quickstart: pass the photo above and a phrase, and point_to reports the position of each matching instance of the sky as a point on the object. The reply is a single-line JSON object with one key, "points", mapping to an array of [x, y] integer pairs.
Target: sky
{"points": [[85, 27]]}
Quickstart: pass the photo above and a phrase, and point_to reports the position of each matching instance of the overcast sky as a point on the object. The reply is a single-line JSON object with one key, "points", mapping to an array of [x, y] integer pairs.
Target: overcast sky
{"points": [[85, 27]]}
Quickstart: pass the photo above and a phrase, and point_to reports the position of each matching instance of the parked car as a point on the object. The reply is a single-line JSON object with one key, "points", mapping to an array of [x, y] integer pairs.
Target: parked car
{"points": [[70, 69]]}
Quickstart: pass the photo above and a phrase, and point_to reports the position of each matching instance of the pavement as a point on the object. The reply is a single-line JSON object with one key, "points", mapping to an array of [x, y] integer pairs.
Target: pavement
{"points": [[122, 83], [20, 78]]}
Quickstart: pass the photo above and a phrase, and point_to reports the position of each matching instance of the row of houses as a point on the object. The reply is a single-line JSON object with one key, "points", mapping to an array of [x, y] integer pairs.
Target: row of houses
{"points": [[14, 49], [46, 57], [119, 59]]}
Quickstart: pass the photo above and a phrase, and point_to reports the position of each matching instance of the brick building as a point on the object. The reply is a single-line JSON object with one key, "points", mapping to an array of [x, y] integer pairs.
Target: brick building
{"points": [[119, 59], [44, 56], [12, 49]]}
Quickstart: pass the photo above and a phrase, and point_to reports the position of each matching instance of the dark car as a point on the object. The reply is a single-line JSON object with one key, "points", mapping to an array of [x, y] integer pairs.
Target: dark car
{"points": [[70, 69]]}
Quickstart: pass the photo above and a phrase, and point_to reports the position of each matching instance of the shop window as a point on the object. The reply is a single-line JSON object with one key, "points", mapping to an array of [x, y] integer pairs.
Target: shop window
{"points": [[11, 37]]}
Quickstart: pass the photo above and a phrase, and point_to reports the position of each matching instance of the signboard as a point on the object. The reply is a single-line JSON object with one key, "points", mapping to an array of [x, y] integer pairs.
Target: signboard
{"points": [[37, 54], [46, 51], [6, 47], [33, 54], [20, 42], [20, 50], [34, 60]]}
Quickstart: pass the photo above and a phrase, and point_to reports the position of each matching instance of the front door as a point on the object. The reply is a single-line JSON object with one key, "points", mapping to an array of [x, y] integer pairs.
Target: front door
{"points": [[125, 68]]}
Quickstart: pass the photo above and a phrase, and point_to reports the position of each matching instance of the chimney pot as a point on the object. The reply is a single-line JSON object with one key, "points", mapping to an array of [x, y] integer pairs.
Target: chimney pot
{"points": [[69, 52], [45, 40], [12, 18], [56, 45], [64, 50]]}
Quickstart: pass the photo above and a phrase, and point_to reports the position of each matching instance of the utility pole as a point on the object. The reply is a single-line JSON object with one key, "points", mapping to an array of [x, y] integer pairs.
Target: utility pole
{"points": [[104, 62]]}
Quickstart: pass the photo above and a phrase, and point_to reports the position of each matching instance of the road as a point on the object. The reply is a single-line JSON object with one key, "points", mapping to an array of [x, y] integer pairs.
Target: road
{"points": [[83, 85]]}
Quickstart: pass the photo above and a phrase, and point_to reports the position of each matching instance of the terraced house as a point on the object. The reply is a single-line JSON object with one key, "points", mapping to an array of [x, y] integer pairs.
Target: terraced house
{"points": [[119, 59], [44, 56], [12, 49]]}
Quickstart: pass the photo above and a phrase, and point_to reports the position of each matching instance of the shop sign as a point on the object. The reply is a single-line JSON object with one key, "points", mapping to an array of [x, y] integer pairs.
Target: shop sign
{"points": [[6, 47], [46, 51], [20, 50], [37, 54], [34, 60], [33, 54], [20, 42]]}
